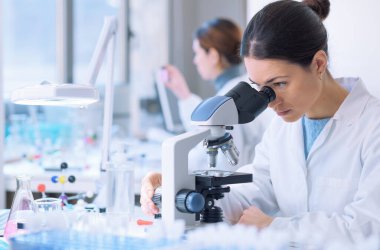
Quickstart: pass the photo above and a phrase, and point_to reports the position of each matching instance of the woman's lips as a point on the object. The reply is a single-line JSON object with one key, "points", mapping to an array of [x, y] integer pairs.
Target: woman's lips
{"points": [[282, 113]]}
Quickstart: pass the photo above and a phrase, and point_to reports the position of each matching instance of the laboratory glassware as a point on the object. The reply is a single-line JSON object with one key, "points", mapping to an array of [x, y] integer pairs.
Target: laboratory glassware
{"points": [[120, 187], [23, 207], [50, 215], [48, 204]]}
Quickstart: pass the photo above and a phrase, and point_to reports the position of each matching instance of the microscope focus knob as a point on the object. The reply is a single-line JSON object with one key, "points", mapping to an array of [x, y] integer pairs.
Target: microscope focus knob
{"points": [[157, 200], [189, 201]]}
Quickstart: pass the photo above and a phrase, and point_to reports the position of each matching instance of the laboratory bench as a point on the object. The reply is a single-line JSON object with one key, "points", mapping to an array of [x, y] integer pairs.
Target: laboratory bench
{"points": [[145, 156], [85, 179]]}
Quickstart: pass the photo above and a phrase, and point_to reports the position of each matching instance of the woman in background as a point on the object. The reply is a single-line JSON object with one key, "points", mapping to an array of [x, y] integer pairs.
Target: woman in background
{"points": [[215, 45]]}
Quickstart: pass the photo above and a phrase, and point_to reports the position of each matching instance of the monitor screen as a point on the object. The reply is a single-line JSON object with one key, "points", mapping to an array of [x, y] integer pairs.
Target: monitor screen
{"points": [[169, 106]]}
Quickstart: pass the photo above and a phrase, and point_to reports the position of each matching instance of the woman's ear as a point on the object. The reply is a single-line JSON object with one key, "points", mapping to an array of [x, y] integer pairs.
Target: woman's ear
{"points": [[214, 56], [320, 62]]}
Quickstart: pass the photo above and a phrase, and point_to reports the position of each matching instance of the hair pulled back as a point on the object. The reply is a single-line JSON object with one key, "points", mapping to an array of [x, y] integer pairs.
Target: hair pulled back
{"points": [[287, 30], [223, 35]]}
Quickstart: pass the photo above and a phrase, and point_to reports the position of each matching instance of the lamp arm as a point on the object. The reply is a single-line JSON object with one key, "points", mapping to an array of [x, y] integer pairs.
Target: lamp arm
{"points": [[106, 44], [108, 103], [107, 33]]}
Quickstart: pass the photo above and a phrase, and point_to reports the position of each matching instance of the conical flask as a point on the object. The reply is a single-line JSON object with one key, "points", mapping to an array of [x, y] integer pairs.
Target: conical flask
{"points": [[23, 207]]}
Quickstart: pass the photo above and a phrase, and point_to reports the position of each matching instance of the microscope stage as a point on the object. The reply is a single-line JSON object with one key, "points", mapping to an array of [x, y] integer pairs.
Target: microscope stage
{"points": [[215, 178]]}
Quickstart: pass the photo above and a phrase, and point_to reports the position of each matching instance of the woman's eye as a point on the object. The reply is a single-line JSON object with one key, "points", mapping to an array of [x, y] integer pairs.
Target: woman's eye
{"points": [[279, 84]]}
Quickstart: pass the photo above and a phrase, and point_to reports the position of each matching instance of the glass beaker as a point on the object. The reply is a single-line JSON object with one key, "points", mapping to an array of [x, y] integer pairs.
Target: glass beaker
{"points": [[120, 188], [50, 215], [23, 207], [48, 204]]}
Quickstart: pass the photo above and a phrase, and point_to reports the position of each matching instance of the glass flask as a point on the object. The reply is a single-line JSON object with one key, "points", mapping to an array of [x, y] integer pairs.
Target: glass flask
{"points": [[23, 207], [120, 188], [120, 182]]}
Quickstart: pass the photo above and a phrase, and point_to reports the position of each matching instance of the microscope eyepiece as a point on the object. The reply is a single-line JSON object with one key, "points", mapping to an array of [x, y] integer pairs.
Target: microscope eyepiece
{"points": [[250, 102], [269, 93]]}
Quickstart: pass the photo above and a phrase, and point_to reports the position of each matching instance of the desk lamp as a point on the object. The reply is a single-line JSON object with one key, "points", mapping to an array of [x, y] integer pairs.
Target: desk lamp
{"points": [[81, 95]]}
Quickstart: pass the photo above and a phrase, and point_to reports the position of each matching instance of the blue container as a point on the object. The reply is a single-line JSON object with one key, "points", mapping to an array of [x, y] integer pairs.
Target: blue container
{"points": [[65, 240]]}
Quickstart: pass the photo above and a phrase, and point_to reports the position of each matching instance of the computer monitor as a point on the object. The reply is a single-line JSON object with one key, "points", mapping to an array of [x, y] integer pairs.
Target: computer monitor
{"points": [[169, 106]]}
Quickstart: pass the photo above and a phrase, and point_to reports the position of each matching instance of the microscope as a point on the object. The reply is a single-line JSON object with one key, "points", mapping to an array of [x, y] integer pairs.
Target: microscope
{"points": [[191, 197]]}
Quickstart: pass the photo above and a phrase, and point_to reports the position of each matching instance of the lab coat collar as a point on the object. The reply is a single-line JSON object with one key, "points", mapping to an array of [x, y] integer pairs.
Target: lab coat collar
{"points": [[352, 107]]}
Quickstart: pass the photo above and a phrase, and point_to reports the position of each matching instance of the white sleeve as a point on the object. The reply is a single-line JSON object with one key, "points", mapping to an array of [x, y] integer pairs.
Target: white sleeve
{"points": [[186, 108], [361, 217]]}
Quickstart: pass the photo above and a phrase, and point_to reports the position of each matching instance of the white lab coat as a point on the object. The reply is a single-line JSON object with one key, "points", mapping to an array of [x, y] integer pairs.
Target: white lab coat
{"points": [[245, 136], [336, 190]]}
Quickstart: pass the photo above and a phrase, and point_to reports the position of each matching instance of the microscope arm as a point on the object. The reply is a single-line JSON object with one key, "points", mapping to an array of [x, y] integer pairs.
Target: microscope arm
{"points": [[175, 174], [240, 105]]}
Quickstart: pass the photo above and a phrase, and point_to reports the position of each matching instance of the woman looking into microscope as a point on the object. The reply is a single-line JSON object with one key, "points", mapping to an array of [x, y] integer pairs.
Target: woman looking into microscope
{"points": [[317, 167]]}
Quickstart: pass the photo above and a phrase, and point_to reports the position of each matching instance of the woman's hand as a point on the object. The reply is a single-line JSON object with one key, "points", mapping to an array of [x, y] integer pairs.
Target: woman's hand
{"points": [[255, 217], [149, 184], [175, 81]]}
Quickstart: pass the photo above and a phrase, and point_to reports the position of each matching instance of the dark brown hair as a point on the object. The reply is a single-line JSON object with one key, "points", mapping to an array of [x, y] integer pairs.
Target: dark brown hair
{"points": [[222, 35], [321, 7], [287, 30]]}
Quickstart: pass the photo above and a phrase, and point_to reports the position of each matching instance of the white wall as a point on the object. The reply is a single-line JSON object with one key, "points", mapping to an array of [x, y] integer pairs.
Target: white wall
{"points": [[254, 6], [354, 39]]}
